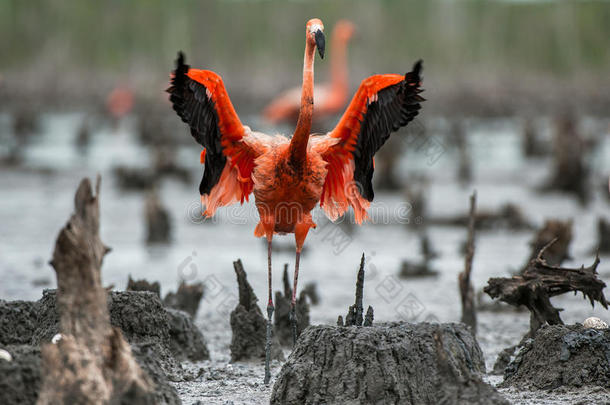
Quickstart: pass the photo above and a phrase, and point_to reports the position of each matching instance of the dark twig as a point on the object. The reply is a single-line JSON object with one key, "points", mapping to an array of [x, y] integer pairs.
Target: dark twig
{"points": [[540, 281], [469, 316]]}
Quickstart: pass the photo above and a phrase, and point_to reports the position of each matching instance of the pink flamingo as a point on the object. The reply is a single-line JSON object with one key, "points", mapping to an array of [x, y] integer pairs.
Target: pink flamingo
{"points": [[289, 177]]}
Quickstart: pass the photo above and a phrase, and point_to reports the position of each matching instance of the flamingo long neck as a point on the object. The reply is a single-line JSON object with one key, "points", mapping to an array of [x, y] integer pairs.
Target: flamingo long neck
{"points": [[298, 144], [338, 64]]}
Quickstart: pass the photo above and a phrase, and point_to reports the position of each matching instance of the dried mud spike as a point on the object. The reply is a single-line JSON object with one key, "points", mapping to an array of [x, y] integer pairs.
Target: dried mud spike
{"points": [[286, 282], [247, 298], [355, 312], [248, 325], [340, 321], [282, 324], [368, 319], [359, 292], [281, 319], [349, 318]]}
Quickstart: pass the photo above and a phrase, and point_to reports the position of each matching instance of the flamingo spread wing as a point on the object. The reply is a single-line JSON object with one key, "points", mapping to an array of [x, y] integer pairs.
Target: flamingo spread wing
{"points": [[382, 104], [201, 100]]}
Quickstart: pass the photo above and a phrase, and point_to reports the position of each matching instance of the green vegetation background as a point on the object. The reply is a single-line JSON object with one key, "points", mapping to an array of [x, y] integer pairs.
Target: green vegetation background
{"points": [[260, 43]]}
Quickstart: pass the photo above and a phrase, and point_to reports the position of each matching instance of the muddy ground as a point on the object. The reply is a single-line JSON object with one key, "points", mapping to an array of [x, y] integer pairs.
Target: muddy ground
{"points": [[40, 200]]}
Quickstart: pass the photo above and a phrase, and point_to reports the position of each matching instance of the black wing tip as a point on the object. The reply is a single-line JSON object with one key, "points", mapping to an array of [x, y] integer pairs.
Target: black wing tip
{"points": [[417, 68], [414, 76], [177, 81], [180, 65], [180, 60]]}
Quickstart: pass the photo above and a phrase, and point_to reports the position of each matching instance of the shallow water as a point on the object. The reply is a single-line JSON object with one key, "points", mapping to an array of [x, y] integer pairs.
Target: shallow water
{"points": [[35, 204]]}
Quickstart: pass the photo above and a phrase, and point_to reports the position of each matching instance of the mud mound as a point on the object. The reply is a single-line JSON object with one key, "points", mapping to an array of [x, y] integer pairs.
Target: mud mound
{"points": [[148, 358], [143, 320], [17, 322], [186, 299], [186, 341], [170, 335], [561, 355], [20, 378], [385, 364], [159, 339], [47, 318]]}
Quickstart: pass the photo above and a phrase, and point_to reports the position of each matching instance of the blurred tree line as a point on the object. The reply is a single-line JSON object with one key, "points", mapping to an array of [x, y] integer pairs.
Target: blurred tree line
{"points": [[259, 44]]}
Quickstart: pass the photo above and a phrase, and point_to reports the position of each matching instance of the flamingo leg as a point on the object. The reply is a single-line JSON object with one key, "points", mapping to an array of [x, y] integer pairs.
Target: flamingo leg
{"points": [[270, 309], [300, 233], [293, 302]]}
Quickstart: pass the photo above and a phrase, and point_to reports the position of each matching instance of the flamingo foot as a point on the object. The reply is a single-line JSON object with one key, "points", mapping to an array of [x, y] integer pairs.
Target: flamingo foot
{"points": [[270, 310], [293, 323]]}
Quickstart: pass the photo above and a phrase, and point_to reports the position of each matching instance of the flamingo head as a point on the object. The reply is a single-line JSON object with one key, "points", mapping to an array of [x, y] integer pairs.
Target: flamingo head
{"points": [[315, 33], [345, 30]]}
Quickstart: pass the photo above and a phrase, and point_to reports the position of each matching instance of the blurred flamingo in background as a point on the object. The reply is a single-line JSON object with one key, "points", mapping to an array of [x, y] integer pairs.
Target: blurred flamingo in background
{"points": [[329, 98], [290, 176], [119, 102]]}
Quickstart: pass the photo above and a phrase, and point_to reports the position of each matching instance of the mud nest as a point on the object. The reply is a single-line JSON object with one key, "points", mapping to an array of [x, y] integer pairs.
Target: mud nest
{"points": [[186, 299], [385, 363], [159, 338], [561, 355]]}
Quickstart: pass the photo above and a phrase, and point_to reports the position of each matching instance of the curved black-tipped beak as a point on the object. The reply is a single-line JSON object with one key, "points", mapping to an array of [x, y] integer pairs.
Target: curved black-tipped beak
{"points": [[320, 43]]}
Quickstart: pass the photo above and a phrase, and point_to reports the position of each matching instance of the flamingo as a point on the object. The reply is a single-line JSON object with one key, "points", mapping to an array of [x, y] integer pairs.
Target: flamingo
{"points": [[119, 102], [329, 97], [290, 176]]}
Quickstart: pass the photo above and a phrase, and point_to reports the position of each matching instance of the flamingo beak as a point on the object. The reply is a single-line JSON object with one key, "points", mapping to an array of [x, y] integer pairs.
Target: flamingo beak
{"points": [[320, 43]]}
